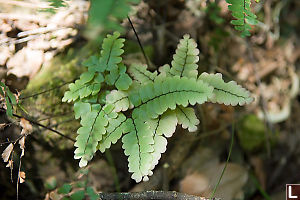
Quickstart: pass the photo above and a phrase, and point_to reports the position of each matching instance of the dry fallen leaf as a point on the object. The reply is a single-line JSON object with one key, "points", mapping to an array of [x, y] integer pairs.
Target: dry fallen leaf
{"points": [[2, 126], [27, 127], [6, 153], [10, 164], [22, 176], [22, 145], [201, 182]]}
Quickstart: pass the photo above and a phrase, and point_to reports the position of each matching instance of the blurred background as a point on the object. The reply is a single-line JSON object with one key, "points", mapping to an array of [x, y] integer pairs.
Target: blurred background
{"points": [[42, 46]]}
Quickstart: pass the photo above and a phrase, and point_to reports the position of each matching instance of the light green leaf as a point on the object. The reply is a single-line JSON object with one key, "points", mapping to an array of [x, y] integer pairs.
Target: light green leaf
{"points": [[187, 118], [241, 10], [91, 132], [114, 131], [119, 99], [155, 98], [111, 51], [123, 82], [228, 93], [185, 59], [138, 145], [141, 74], [81, 109], [163, 126]]}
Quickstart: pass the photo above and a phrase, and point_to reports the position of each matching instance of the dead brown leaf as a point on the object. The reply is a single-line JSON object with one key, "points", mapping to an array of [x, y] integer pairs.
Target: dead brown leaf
{"points": [[10, 164], [6, 153], [27, 127], [22, 176], [22, 145], [2, 126]]}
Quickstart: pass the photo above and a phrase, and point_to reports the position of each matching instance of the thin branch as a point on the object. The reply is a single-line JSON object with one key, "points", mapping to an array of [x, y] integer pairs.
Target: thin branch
{"points": [[138, 39], [157, 195], [225, 166], [45, 127], [54, 116], [41, 125], [57, 87]]}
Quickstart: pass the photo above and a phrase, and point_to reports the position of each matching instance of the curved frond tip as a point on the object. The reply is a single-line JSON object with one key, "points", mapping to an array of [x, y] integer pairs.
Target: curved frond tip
{"points": [[227, 93]]}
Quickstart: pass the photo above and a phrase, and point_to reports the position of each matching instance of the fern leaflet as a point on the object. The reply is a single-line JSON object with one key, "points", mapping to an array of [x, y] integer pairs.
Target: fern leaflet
{"points": [[138, 145], [187, 118], [141, 74], [155, 98], [119, 99], [162, 127], [185, 58], [228, 93], [241, 10], [114, 131]]}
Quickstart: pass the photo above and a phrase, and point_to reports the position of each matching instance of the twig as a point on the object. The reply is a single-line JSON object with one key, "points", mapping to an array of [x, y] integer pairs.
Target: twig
{"points": [[40, 30], [138, 39], [41, 125], [45, 127], [54, 116], [45, 91], [157, 195]]}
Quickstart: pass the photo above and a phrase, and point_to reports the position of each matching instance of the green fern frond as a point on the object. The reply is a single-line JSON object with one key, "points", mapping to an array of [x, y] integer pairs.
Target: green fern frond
{"points": [[114, 131], [81, 109], [138, 145], [111, 52], [141, 74], [162, 127], [154, 103], [119, 99], [83, 88], [228, 93], [164, 70], [93, 128], [185, 58], [187, 118], [92, 63], [155, 98], [119, 78], [241, 10]]}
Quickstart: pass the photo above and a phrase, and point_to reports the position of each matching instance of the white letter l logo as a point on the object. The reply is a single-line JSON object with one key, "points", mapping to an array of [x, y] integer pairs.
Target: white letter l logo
{"points": [[290, 193]]}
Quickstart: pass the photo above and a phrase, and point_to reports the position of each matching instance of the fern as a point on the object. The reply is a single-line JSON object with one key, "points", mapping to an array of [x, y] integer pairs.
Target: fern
{"points": [[187, 118], [141, 74], [119, 99], [91, 132], [185, 59], [241, 10], [155, 98], [228, 93], [143, 110], [114, 131], [162, 127]]}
